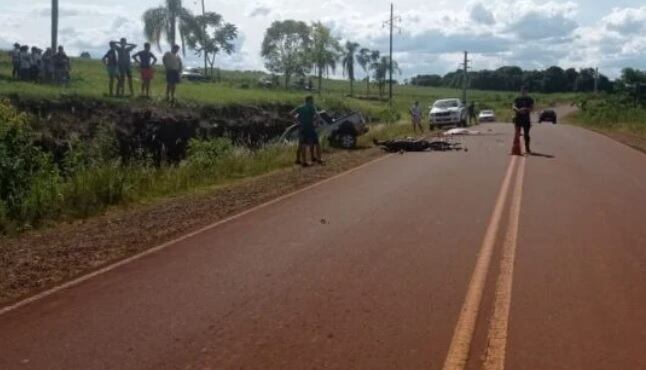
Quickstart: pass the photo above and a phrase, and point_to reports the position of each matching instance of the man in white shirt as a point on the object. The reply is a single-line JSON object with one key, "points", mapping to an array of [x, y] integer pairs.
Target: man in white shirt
{"points": [[416, 117], [173, 64]]}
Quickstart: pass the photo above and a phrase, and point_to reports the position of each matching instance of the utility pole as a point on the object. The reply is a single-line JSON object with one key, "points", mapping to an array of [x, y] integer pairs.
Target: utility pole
{"points": [[54, 25], [391, 24], [465, 77], [203, 38]]}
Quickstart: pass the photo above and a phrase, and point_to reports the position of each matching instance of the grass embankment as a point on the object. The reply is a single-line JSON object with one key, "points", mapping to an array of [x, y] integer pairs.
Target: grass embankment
{"points": [[616, 116]]}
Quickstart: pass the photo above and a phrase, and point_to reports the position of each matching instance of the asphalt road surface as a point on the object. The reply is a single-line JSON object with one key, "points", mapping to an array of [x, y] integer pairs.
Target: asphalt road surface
{"points": [[461, 260]]}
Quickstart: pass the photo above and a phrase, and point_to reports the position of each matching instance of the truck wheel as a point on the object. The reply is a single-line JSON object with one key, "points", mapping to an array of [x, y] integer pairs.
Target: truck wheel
{"points": [[347, 140]]}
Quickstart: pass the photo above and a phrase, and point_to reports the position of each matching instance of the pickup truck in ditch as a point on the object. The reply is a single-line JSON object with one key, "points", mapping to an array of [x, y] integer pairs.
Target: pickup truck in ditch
{"points": [[342, 131], [447, 112]]}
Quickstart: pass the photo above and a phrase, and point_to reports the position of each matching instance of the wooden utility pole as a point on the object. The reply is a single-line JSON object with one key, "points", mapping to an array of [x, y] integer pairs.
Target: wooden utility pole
{"points": [[54, 25], [465, 77]]}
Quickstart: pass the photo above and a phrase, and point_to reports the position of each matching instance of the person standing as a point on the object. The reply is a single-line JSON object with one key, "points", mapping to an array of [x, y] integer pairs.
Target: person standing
{"points": [[15, 61], [146, 61], [24, 71], [523, 108], [62, 66], [473, 118], [48, 65], [173, 64], [36, 64], [416, 117], [111, 61], [125, 65], [308, 119]]}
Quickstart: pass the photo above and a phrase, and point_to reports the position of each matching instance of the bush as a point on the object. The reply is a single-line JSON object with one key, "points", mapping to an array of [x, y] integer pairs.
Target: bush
{"points": [[29, 180]]}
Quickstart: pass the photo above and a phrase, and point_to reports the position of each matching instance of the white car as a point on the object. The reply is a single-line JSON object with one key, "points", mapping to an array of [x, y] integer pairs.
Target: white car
{"points": [[448, 112], [487, 116]]}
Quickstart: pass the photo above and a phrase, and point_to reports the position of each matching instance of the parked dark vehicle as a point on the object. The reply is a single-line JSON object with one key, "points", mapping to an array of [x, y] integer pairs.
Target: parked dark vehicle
{"points": [[342, 132], [547, 115]]}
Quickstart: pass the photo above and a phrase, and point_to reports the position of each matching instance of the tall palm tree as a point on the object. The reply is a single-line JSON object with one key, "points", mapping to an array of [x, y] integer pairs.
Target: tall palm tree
{"points": [[324, 52], [363, 58], [166, 21], [349, 56], [381, 68], [54, 25]]}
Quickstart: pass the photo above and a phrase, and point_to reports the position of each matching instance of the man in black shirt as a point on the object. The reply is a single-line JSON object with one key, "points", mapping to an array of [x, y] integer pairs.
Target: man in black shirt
{"points": [[523, 107]]}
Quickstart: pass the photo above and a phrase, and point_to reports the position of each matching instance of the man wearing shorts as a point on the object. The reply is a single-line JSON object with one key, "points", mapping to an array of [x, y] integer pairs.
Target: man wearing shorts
{"points": [[416, 117], [523, 107], [125, 65], [308, 118], [146, 61], [173, 64], [110, 59]]}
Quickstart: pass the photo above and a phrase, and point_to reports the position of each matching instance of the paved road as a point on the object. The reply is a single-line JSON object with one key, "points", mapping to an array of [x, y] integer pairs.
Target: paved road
{"points": [[419, 261]]}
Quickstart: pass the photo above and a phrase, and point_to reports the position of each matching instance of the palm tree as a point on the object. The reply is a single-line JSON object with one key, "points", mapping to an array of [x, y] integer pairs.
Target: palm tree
{"points": [[167, 20], [381, 68], [349, 57], [363, 58], [54, 25], [324, 52]]}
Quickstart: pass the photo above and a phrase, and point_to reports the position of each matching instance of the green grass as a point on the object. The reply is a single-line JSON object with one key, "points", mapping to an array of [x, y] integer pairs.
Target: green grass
{"points": [[89, 79]]}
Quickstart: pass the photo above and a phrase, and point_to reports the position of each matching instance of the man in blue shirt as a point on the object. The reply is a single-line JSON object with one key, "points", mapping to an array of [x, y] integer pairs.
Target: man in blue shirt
{"points": [[308, 119]]}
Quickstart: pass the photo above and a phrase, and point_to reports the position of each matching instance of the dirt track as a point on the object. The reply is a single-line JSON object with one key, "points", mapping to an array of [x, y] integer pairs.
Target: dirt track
{"points": [[371, 271]]}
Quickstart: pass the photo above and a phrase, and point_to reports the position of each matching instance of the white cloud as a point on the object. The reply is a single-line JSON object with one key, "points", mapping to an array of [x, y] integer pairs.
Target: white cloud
{"points": [[480, 14]]}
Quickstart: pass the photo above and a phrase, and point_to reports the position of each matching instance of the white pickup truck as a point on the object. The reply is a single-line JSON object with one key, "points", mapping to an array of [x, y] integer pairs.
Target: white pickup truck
{"points": [[448, 112]]}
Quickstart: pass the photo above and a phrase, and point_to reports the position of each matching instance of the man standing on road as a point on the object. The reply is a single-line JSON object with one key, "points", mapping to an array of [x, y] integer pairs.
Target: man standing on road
{"points": [[523, 107], [125, 65], [173, 64], [473, 118], [308, 118], [146, 61], [416, 117]]}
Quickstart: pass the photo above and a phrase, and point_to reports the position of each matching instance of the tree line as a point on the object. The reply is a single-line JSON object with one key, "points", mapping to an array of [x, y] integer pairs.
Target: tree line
{"points": [[511, 78], [295, 49]]}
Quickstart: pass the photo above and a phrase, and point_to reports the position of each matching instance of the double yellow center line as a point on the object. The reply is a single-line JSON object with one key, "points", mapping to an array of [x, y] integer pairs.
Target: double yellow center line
{"points": [[459, 349]]}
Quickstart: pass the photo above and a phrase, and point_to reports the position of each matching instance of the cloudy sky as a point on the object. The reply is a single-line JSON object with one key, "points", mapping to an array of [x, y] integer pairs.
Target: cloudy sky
{"points": [[610, 34]]}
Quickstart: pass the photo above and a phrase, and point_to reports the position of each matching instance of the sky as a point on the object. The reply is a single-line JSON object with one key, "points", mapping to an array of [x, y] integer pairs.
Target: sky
{"points": [[430, 39]]}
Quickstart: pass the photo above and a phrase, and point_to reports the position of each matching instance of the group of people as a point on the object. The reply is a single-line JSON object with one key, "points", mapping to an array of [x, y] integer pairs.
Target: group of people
{"points": [[31, 64], [119, 64]]}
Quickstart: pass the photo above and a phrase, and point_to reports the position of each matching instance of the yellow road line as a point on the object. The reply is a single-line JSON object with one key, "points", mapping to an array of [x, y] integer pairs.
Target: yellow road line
{"points": [[458, 354], [497, 337]]}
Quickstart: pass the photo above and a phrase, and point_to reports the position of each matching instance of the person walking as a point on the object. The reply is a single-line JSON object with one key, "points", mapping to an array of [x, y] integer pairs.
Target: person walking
{"points": [[173, 65], [416, 117], [125, 66], [111, 62], [523, 108], [146, 61], [308, 119], [15, 61]]}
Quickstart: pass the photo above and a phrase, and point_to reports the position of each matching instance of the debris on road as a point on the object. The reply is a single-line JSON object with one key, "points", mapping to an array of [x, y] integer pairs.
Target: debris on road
{"points": [[417, 145], [460, 132]]}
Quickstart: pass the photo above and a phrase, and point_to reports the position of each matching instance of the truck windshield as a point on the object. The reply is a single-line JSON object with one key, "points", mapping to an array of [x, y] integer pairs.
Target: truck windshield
{"points": [[446, 104]]}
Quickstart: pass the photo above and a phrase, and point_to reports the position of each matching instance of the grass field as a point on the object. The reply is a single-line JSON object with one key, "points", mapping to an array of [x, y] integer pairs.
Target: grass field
{"points": [[89, 79]]}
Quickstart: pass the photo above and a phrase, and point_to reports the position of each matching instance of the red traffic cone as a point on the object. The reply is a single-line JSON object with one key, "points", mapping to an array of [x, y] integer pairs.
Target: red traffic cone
{"points": [[515, 149]]}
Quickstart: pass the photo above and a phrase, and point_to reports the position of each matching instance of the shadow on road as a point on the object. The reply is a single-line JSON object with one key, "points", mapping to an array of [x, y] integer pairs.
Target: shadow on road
{"points": [[541, 155]]}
